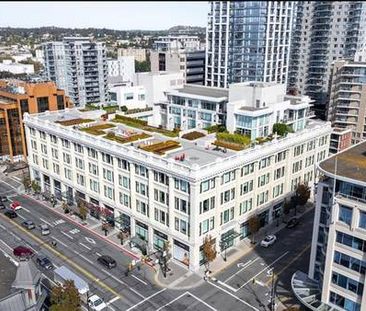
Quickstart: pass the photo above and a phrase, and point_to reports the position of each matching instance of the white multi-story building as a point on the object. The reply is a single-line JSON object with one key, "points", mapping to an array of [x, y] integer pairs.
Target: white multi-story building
{"points": [[248, 41], [133, 97], [249, 108], [79, 66], [182, 42], [122, 67], [337, 260], [172, 189], [139, 54]]}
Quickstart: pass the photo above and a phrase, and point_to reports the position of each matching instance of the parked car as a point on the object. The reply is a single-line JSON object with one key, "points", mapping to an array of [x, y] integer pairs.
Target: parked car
{"points": [[28, 224], [45, 230], [23, 252], [107, 261], [96, 303], [2, 205], [3, 198], [268, 240], [293, 222], [44, 262], [15, 206], [10, 213]]}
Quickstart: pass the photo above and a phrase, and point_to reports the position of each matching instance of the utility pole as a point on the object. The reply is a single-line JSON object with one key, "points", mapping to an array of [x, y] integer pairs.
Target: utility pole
{"points": [[272, 293]]}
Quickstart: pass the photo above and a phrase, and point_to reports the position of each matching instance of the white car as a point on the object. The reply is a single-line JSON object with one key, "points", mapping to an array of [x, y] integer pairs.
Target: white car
{"points": [[268, 240], [96, 303]]}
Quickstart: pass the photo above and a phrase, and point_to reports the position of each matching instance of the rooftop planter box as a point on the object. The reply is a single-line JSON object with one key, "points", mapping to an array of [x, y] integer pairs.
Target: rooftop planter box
{"points": [[111, 109], [193, 135], [162, 147], [141, 124], [98, 129], [216, 129], [124, 140], [74, 121], [138, 110], [233, 138], [262, 140], [232, 146]]}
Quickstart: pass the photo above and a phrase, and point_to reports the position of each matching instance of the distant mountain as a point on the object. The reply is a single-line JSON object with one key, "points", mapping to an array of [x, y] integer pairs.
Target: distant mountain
{"points": [[187, 29]]}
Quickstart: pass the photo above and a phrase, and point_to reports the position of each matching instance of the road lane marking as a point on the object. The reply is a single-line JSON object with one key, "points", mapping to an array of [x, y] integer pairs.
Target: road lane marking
{"points": [[17, 178], [232, 295], [138, 279], [62, 243], [264, 269], [65, 258], [82, 256], [21, 216], [112, 300], [249, 263], [90, 240], [200, 300], [69, 236], [146, 299], [6, 245], [25, 209], [15, 236], [289, 264], [74, 231], [4, 182], [2, 227], [123, 283], [228, 286], [98, 254], [170, 302], [87, 247], [46, 222]]}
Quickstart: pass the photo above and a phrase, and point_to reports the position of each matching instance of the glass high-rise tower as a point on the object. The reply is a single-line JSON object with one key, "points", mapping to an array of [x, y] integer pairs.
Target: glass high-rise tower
{"points": [[248, 41]]}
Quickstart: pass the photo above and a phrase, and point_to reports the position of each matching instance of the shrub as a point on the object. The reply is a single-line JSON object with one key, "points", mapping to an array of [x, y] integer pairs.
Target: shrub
{"points": [[98, 129], [74, 121], [162, 147], [217, 128], [233, 138], [232, 146], [124, 140], [193, 135], [281, 129]]}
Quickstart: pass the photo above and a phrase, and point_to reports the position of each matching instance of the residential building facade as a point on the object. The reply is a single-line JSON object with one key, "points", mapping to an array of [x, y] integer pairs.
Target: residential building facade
{"points": [[122, 67], [139, 54], [78, 65], [180, 195], [248, 41], [324, 32], [337, 260], [16, 98], [182, 42]]}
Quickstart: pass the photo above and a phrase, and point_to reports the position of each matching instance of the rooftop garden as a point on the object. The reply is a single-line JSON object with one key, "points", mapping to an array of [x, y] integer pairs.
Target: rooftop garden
{"points": [[108, 109], [232, 141], [162, 147], [74, 121], [141, 124], [282, 129], [217, 128], [193, 135], [126, 139], [97, 129], [137, 110], [262, 140]]}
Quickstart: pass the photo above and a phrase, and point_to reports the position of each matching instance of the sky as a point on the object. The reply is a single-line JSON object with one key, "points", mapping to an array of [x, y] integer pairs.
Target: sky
{"points": [[146, 15]]}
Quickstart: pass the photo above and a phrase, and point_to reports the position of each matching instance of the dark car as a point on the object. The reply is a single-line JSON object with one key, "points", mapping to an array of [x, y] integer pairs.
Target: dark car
{"points": [[2, 205], [44, 262], [3, 199], [28, 224], [22, 251], [293, 222], [10, 213], [107, 261]]}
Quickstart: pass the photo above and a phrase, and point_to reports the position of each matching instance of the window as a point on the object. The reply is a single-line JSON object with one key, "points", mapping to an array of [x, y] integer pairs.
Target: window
{"points": [[92, 153], [246, 187], [350, 241], [207, 204], [44, 149], [141, 170], [54, 153], [53, 139], [277, 190], [80, 179], [345, 214], [265, 162], [32, 131], [124, 181], [108, 175], [207, 225], [79, 163], [181, 185], [142, 208], [60, 102], [362, 220], [247, 169], [93, 169], [125, 200], [161, 217], [279, 173], [161, 178], [42, 104], [227, 196], [262, 198], [350, 262], [123, 164], [65, 143], [310, 145], [347, 283], [181, 226], [298, 150], [128, 96], [161, 196], [280, 156], [297, 166], [344, 303], [245, 206], [108, 192], [181, 205], [78, 148], [227, 177], [42, 135], [207, 185], [263, 180], [226, 216], [45, 163], [107, 158], [142, 189], [56, 168], [24, 107], [35, 159], [68, 173], [94, 185], [34, 144]]}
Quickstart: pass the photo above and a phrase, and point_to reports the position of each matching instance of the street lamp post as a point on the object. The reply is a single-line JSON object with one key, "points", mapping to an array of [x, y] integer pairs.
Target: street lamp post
{"points": [[272, 293]]}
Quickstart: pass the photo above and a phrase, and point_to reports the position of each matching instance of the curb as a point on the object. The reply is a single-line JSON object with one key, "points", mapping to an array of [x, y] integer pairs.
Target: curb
{"points": [[127, 252], [157, 281]]}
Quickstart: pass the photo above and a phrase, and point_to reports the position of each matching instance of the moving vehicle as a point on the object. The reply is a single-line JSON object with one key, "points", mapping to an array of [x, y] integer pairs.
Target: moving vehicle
{"points": [[44, 262], [107, 261], [23, 252], [96, 303], [3, 198], [28, 224], [45, 230], [10, 213], [15, 206], [293, 222], [268, 240]]}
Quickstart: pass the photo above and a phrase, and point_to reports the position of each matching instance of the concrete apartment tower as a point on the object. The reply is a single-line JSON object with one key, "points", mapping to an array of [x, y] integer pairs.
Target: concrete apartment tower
{"points": [[78, 65], [324, 32], [248, 41]]}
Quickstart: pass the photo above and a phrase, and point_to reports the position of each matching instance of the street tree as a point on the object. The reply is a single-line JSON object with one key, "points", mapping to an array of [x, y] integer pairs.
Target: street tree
{"points": [[301, 196], [26, 181], [65, 207], [254, 225], [83, 211], [209, 251], [65, 297], [35, 187]]}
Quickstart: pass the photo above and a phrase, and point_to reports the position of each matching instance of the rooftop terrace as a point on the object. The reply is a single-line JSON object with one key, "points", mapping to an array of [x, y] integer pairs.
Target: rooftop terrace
{"points": [[203, 91], [351, 163]]}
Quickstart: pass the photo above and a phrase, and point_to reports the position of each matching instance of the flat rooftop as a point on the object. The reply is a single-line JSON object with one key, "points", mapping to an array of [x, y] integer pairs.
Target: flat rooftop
{"points": [[351, 163], [203, 91]]}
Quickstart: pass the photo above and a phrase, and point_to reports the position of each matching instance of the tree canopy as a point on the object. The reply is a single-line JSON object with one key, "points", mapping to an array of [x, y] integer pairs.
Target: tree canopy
{"points": [[65, 297]]}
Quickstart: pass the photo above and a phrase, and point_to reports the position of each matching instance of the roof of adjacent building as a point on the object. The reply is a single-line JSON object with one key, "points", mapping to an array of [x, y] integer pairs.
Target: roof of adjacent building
{"points": [[7, 272], [27, 275], [351, 163], [203, 91]]}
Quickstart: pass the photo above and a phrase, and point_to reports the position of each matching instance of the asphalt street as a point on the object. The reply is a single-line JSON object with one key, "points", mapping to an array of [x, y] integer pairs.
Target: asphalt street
{"points": [[78, 249]]}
